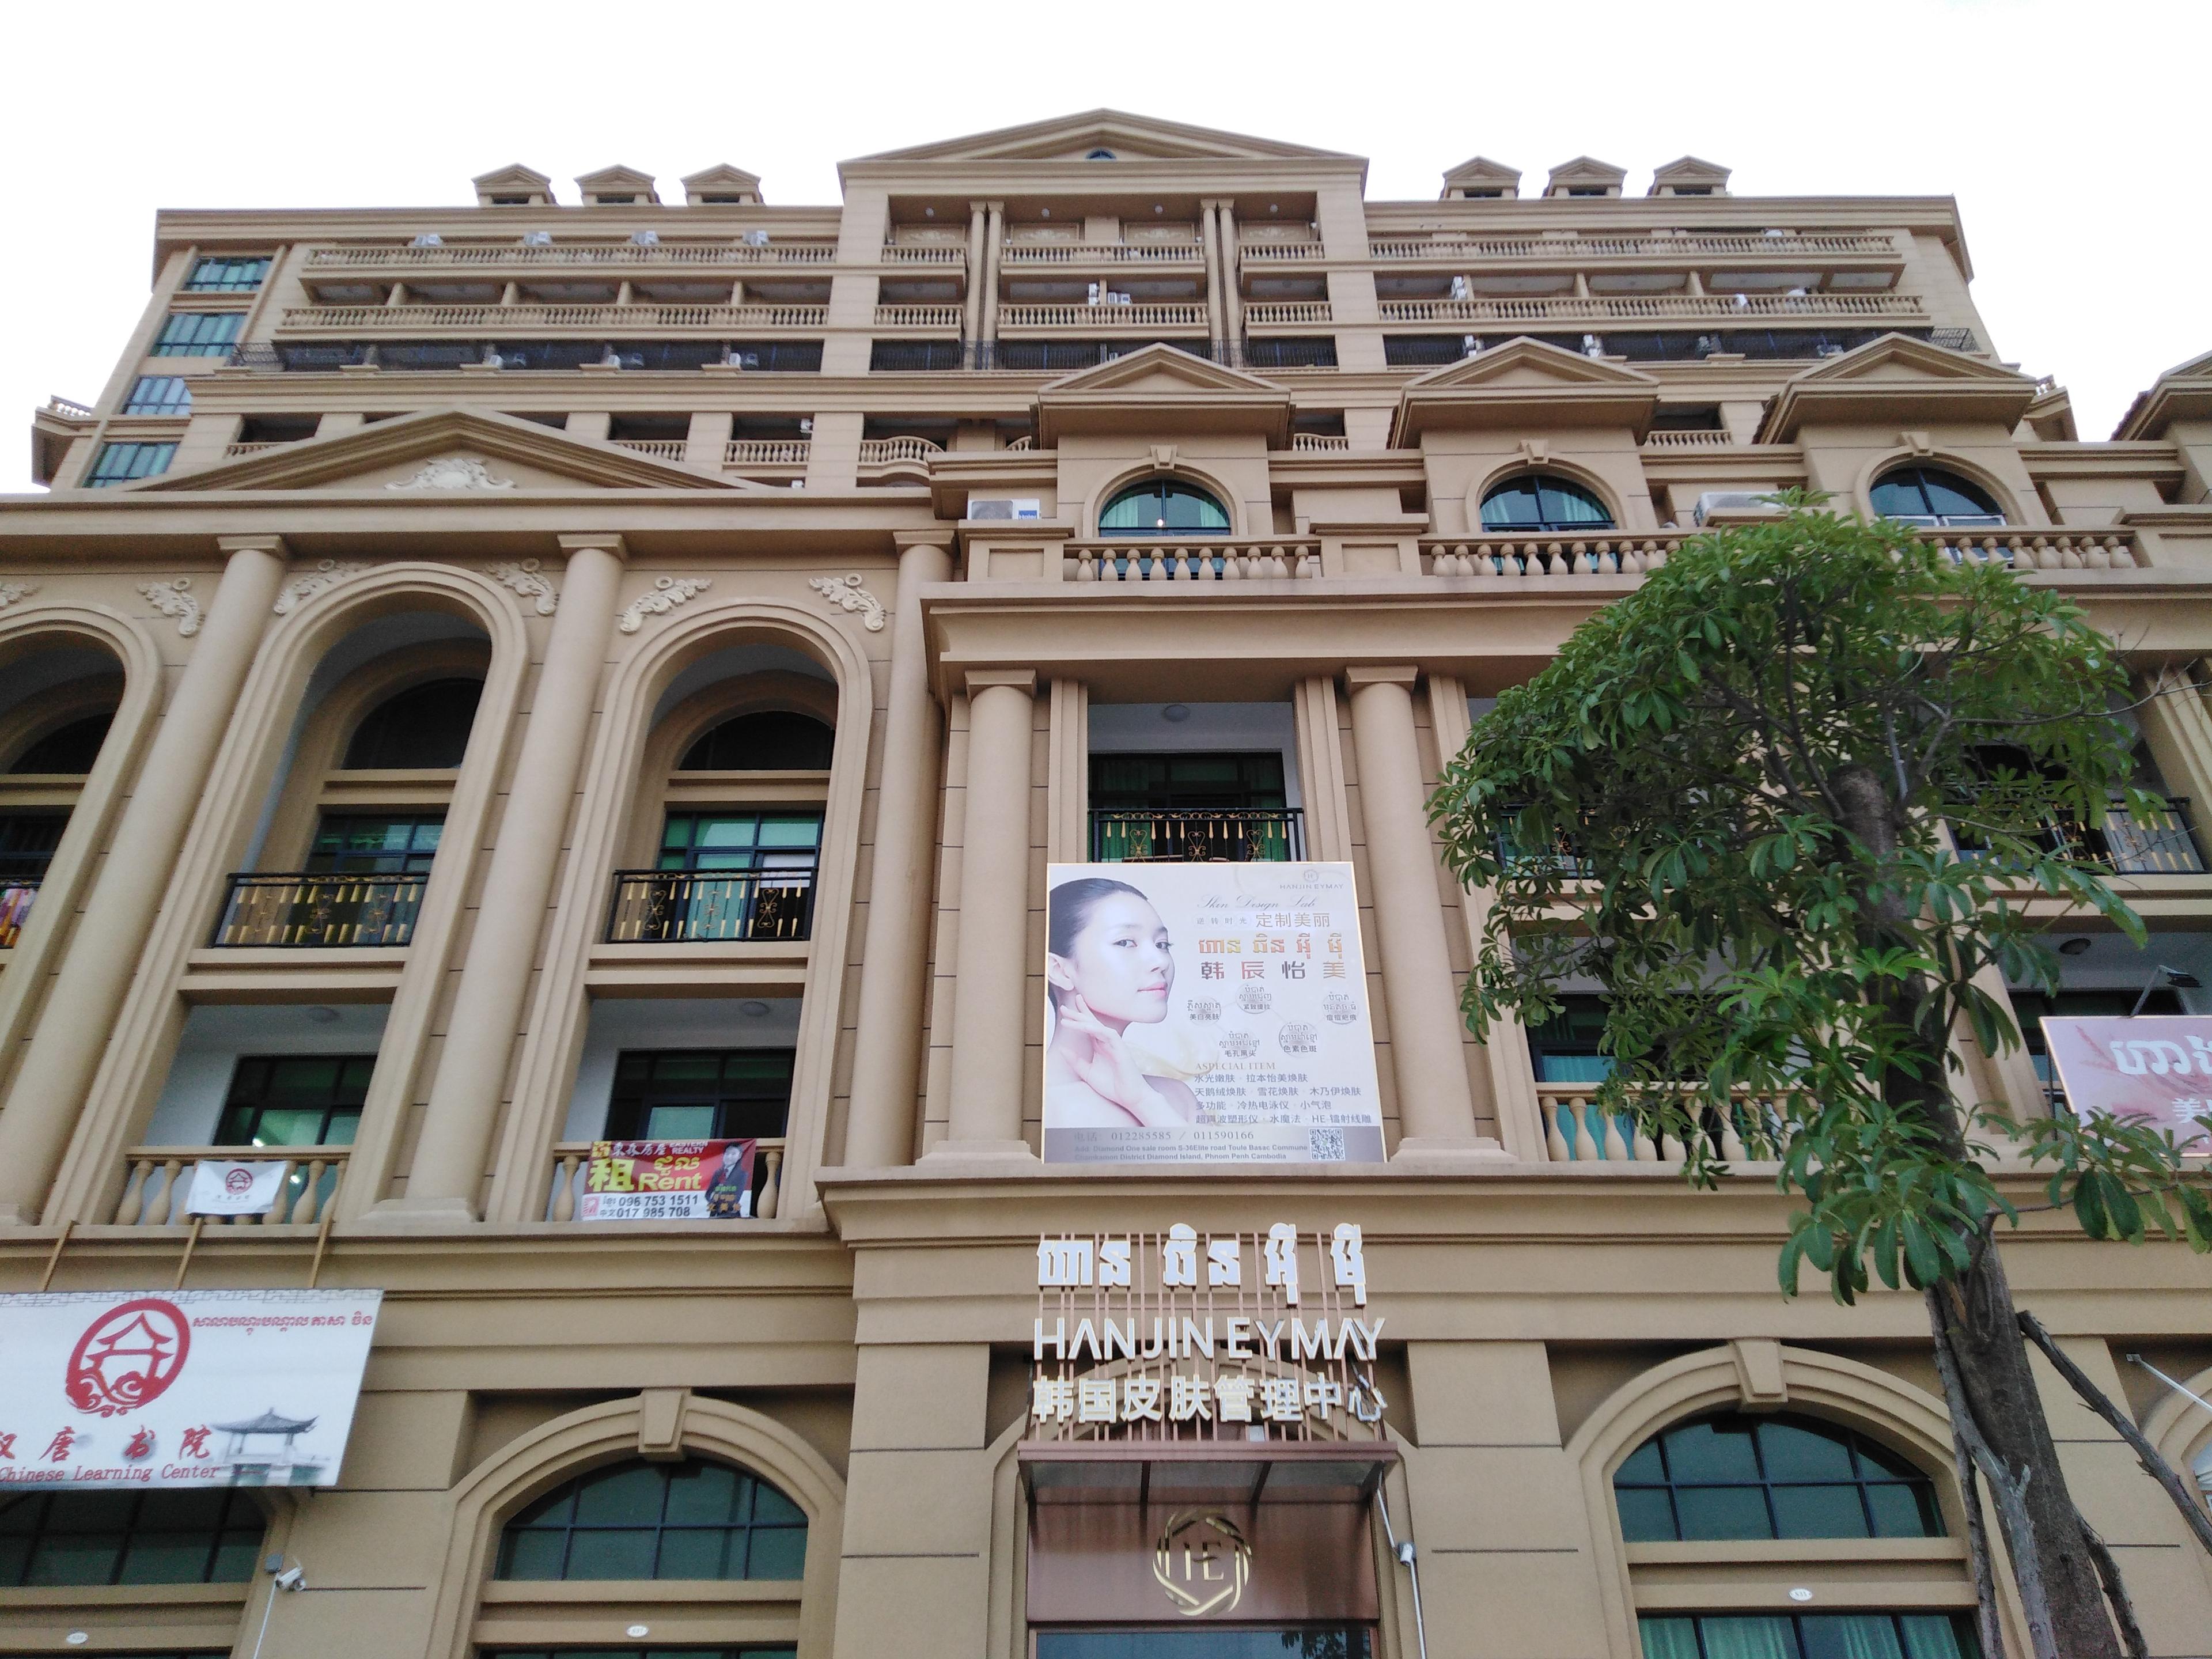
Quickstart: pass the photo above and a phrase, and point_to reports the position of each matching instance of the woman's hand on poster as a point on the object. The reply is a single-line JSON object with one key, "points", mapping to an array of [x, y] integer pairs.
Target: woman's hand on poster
{"points": [[1106, 1064]]}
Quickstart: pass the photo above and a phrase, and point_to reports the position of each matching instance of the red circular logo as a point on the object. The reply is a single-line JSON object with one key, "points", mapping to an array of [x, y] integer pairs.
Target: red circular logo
{"points": [[235, 1181], [127, 1356]]}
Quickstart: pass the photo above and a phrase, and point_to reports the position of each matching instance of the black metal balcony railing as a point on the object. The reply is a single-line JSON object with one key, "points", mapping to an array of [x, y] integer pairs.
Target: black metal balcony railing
{"points": [[1198, 836], [2163, 844], [16, 894], [324, 912], [415, 356], [676, 907]]}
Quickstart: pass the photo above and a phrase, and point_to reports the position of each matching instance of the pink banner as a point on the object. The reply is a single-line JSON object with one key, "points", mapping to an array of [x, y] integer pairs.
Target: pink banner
{"points": [[2157, 1069]]}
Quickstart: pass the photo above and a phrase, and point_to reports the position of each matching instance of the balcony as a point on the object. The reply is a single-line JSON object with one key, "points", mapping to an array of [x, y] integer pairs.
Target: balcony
{"points": [[1613, 553], [1733, 248], [2163, 844], [543, 257], [1121, 560], [929, 317], [1103, 253], [1110, 317], [321, 912], [159, 1179], [1651, 308], [767, 451], [895, 452], [691, 907], [1198, 836], [512, 356], [1275, 313], [894, 253], [477, 319], [572, 1167]]}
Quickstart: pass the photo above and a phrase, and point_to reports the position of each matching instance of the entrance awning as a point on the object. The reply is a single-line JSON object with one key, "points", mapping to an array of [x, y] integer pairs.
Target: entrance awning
{"points": [[1205, 1471]]}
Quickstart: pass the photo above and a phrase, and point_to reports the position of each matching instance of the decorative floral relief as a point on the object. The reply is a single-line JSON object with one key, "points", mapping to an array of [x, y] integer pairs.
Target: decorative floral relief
{"points": [[175, 599], [848, 594], [11, 592], [526, 580], [327, 574], [668, 593], [452, 473]]}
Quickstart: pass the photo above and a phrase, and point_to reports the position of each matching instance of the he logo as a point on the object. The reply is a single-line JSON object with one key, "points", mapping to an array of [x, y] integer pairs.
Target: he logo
{"points": [[238, 1182], [1203, 1562], [127, 1356]]}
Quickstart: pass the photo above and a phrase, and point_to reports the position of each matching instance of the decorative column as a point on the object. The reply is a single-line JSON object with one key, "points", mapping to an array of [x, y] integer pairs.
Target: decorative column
{"points": [[1232, 300], [971, 326], [991, 964], [97, 971], [448, 1173], [994, 238], [1436, 1111], [1209, 243], [887, 1052]]}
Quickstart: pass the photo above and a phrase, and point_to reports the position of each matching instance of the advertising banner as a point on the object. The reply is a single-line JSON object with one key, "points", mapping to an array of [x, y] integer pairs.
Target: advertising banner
{"points": [[180, 1388], [669, 1181], [2157, 1068], [223, 1187], [1207, 1013]]}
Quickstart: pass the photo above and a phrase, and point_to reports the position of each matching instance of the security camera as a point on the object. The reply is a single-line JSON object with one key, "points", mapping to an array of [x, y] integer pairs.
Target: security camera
{"points": [[292, 1578]]}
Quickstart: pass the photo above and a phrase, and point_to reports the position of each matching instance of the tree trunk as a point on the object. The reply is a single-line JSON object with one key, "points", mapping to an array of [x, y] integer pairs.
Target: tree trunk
{"points": [[2051, 1561]]}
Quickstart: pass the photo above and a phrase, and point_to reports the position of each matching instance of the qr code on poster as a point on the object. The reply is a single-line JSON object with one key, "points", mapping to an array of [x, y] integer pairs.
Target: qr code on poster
{"points": [[1325, 1145]]}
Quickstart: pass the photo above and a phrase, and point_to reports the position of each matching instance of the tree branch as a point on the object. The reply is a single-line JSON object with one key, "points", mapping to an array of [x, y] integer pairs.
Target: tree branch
{"points": [[2116, 1592]]}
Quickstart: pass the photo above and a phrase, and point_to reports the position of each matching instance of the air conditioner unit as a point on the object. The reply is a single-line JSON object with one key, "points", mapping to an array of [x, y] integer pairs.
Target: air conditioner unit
{"points": [[537, 239], [427, 238], [646, 238], [755, 239], [1005, 507], [1728, 504]]}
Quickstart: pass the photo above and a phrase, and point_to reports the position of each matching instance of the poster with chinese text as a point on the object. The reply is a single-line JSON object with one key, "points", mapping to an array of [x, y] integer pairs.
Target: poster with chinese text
{"points": [[669, 1181]]}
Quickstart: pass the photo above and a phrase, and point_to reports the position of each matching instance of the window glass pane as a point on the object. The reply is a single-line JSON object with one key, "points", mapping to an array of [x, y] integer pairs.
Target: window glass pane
{"points": [[1850, 1636], [726, 832], [1950, 495], [1646, 1516], [1642, 1466], [611, 1553], [1668, 1638], [1819, 1512], [88, 1558], [680, 1123], [1510, 506], [1791, 1453], [702, 1493], [1931, 1636], [774, 740], [424, 727], [771, 1507], [531, 1554], [165, 1557], [1163, 507], [790, 832], [1723, 1512], [1762, 1638], [121, 463], [695, 1553], [160, 394], [198, 333], [1565, 506], [628, 1496], [659, 1521], [1900, 1511], [281, 1127], [778, 1552], [1712, 1451], [1899, 498]]}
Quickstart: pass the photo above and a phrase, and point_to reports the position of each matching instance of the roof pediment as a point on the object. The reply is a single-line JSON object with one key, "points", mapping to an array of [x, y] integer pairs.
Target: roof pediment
{"points": [[616, 180], [1896, 378], [1159, 388], [1480, 172], [1691, 171], [1524, 379], [1128, 137], [439, 452], [2184, 392], [513, 179], [720, 180], [1583, 171]]}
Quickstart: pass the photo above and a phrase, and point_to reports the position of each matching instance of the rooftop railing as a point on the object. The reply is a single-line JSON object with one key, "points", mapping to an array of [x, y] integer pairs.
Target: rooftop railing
{"points": [[518, 356], [1632, 308], [1570, 248], [545, 255]]}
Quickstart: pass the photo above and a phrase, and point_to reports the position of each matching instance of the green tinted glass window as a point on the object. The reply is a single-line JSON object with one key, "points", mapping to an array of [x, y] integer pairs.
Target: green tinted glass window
{"points": [[692, 1520], [367, 844], [226, 275], [295, 1100], [128, 1538], [198, 333], [1733, 1476], [121, 463], [717, 840], [712, 1094], [1163, 506]]}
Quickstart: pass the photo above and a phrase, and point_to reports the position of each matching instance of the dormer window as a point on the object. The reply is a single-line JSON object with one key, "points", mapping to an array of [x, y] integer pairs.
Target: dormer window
{"points": [[1586, 190], [615, 201], [1101, 155], [509, 201]]}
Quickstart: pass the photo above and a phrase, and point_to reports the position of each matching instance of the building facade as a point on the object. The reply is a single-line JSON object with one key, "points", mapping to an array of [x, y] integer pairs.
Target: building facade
{"points": [[764, 598]]}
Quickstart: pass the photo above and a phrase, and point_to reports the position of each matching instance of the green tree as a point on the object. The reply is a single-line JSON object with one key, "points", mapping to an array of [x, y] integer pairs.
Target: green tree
{"points": [[1736, 780]]}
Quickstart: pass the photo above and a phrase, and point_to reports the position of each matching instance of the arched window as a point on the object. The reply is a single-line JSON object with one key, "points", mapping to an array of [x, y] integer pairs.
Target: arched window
{"points": [[1545, 501], [1733, 1476], [1930, 495], [69, 748], [1163, 506], [129, 1538], [773, 741], [425, 727], [689, 1520]]}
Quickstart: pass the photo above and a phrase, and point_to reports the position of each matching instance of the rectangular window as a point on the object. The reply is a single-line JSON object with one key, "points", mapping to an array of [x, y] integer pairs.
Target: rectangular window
{"points": [[120, 463], [740, 840], [733, 1094], [1343, 1642], [1810, 1636], [160, 394], [199, 333], [378, 844], [1565, 1048], [295, 1100], [226, 275]]}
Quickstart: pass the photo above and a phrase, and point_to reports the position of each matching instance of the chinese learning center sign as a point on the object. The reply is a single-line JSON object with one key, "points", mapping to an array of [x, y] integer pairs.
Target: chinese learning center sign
{"points": [[1207, 1013], [180, 1388], [2158, 1069]]}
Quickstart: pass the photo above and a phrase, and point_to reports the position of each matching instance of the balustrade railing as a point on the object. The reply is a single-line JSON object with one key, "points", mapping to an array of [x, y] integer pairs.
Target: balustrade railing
{"points": [[17, 894], [1634, 307], [1577, 1131], [1555, 248], [510, 356], [529, 254], [479, 318], [767, 451], [2162, 842], [1278, 252], [1261, 313], [894, 253], [660, 449], [1161, 563], [234, 452], [159, 1181], [1320, 443], [572, 1167], [918, 316], [1191, 315], [1102, 253], [1197, 835], [880, 451], [1614, 553], [324, 912], [678, 906], [68, 408], [1689, 440]]}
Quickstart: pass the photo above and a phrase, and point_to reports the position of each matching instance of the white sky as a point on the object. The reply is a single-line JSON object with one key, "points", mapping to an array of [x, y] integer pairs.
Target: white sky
{"points": [[2074, 135]]}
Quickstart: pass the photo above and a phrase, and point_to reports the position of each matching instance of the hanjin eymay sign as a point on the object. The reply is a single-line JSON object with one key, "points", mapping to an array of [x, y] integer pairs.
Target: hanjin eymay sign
{"points": [[181, 1387]]}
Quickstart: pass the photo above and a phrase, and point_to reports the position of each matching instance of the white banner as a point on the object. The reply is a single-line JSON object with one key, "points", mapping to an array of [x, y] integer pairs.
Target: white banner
{"points": [[1207, 1013], [223, 1188], [180, 1388]]}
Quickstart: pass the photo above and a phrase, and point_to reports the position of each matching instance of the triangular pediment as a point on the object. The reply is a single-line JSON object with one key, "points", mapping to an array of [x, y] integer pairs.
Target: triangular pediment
{"points": [[1163, 369], [718, 182], [513, 180], [1899, 379], [442, 452], [1692, 171], [1159, 389], [1126, 136], [616, 180], [1482, 170], [1524, 379], [1585, 170]]}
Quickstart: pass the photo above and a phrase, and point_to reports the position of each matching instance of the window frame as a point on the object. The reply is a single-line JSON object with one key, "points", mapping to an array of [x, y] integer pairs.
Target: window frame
{"points": [[1163, 486], [240, 1124], [1541, 482], [1859, 1447], [229, 265], [747, 1495], [137, 458], [383, 709], [197, 334], [632, 1100], [175, 400], [222, 1535], [343, 861], [1949, 477]]}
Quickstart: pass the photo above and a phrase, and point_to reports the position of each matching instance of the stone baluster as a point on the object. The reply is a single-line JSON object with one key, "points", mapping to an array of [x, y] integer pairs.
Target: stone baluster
{"points": [[771, 1183], [133, 1201], [565, 1165], [1555, 1142]]}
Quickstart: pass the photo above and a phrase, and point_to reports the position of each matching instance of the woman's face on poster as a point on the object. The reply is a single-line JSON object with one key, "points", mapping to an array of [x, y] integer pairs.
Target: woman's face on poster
{"points": [[1120, 966]]}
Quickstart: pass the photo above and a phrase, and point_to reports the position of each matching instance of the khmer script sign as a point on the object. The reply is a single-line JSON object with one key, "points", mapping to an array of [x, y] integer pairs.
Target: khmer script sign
{"points": [[2157, 1069], [137, 1389], [1207, 1013]]}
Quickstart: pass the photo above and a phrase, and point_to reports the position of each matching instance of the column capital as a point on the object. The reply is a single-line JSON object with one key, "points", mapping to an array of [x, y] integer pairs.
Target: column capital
{"points": [[935, 535], [603, 543], [254, 544], [982, 679], [1357, 679], [986, 207]]}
